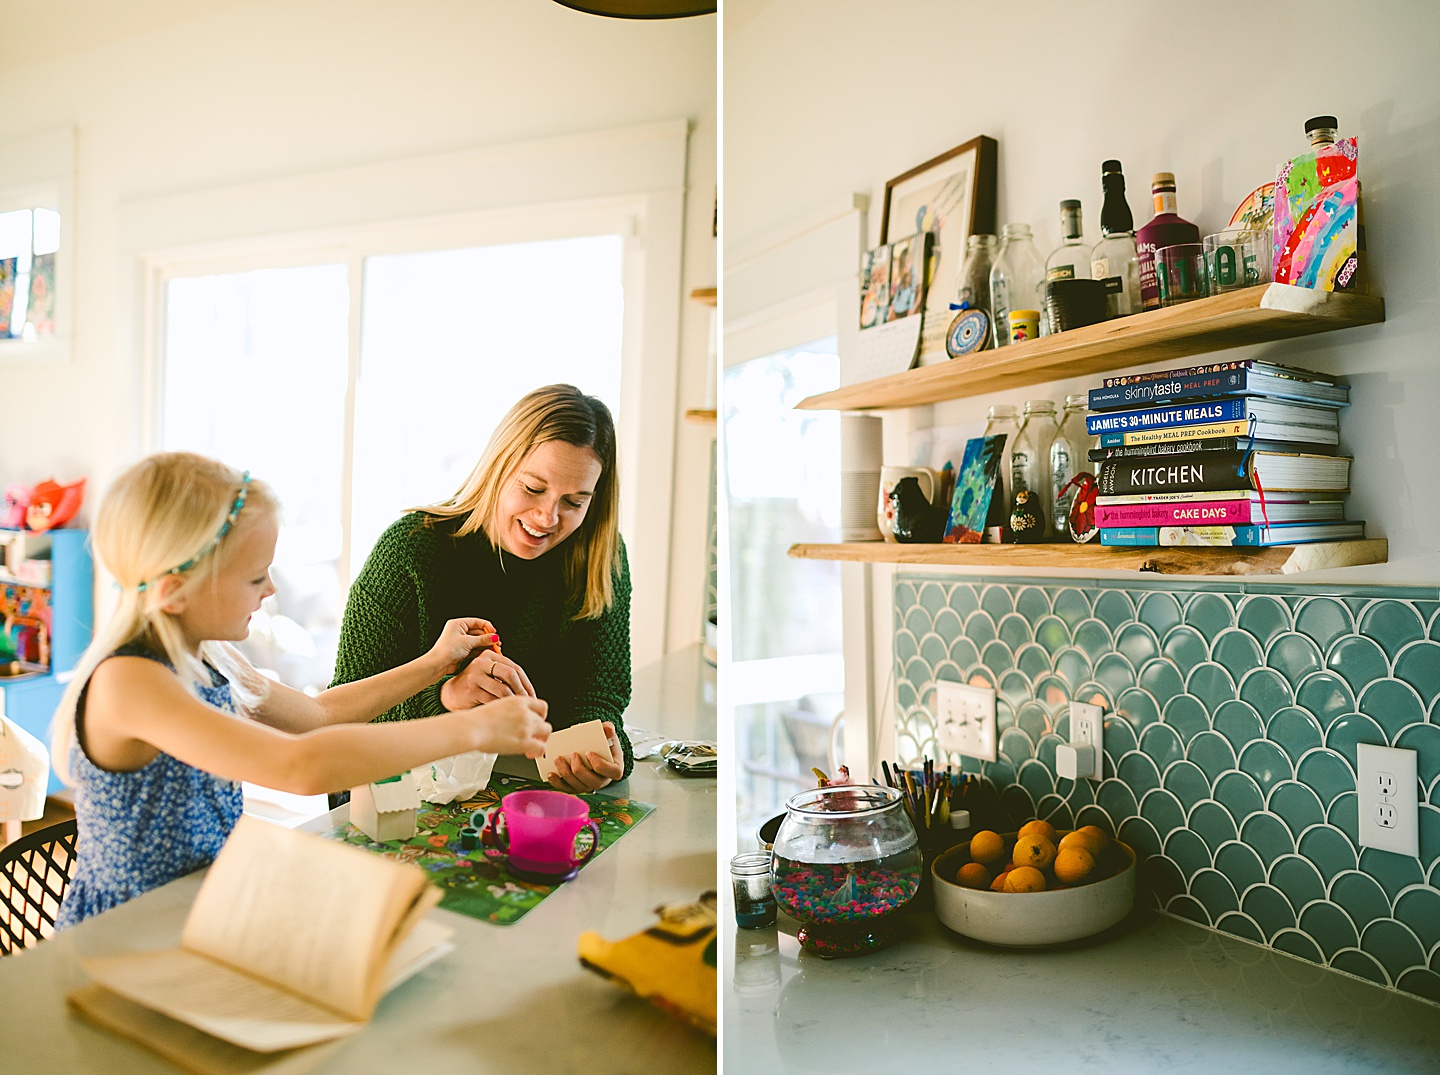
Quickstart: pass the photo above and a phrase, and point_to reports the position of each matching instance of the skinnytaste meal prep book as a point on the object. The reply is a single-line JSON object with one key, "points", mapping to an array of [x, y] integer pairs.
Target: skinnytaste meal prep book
{"points": [[1250, 378]]}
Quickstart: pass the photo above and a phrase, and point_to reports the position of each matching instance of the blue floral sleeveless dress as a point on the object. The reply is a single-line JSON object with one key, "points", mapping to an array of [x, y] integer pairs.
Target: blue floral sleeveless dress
{"points": [[140, 830]]}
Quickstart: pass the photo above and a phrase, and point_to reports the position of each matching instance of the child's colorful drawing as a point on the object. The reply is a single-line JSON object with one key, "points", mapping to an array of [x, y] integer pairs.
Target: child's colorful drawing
{"points": [[478, 883], [41, 311], [974, 487], [8, 268], [1317, 201]]}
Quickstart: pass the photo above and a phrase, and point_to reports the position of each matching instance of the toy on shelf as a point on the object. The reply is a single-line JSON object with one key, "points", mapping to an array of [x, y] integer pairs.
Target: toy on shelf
{"points": [[17, 499], [53, 505]]}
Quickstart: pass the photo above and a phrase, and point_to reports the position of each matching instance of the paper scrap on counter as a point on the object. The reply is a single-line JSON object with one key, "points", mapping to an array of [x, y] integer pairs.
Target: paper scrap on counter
{"points": [[580, 739]]}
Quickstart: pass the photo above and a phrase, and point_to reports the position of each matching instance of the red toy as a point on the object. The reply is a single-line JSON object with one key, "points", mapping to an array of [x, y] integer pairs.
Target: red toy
{"points": [[53, 505]]}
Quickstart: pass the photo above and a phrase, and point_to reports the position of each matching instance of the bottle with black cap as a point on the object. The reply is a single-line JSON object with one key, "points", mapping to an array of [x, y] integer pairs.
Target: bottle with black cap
{"points": [[1115, 257], [1322, 131]]}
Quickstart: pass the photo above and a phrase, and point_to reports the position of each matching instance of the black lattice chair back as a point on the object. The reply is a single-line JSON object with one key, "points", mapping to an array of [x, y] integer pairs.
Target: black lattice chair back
{"points": [[34, 873]]}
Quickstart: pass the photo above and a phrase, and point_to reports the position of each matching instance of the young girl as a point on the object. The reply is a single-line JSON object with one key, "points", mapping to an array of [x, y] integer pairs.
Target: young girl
{"points": [[164, 717]]}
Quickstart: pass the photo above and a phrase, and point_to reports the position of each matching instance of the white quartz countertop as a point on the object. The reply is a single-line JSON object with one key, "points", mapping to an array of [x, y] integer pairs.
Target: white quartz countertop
{"points": [[1153, 995], [510, 999]]}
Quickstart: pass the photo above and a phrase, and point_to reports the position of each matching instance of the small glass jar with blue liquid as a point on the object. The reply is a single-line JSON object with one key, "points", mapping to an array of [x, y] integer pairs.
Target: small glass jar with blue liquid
{"points": [[750, 878]]}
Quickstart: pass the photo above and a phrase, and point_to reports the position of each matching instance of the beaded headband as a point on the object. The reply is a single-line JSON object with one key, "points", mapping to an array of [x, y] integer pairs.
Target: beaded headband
{"points": [[225, 528]]}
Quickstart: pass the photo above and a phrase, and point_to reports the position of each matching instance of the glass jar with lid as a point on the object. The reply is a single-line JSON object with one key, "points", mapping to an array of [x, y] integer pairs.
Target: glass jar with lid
{"points": [[846, 861], [1015, 280], [1030, 464], [1069, 455]]}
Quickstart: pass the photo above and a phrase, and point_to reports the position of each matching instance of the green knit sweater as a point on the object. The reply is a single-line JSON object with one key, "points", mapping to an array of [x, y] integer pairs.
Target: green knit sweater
{"points": [[419, 576]]}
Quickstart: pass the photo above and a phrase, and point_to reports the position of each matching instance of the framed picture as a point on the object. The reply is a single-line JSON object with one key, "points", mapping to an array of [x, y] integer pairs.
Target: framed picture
{"points": [[974, 487], [952, 196]]}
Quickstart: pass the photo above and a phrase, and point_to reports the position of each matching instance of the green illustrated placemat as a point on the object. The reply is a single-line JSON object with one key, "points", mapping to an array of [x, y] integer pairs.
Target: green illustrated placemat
{"points": [[479, 883]]}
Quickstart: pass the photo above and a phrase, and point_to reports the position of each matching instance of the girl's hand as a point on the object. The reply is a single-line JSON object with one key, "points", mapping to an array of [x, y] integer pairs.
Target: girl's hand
{"points": [[489, 676], [512, 725], [590, 772], [460, 640]]}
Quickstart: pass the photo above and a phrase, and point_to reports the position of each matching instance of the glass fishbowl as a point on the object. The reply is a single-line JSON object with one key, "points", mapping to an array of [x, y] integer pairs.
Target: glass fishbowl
{"points": [[845, 861]]}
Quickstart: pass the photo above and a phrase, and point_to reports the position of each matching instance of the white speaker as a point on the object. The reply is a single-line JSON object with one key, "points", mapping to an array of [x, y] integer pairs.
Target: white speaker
{"points": [[860, 455]]}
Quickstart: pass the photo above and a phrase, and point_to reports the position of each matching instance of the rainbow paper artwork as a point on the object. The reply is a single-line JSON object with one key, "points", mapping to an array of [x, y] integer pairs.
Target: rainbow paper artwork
{"points": [[1317, 203]]}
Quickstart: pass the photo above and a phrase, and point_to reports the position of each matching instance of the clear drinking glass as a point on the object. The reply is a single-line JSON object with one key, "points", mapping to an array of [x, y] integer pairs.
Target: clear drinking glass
{"points": [[1180, 273], [1236, 258]]}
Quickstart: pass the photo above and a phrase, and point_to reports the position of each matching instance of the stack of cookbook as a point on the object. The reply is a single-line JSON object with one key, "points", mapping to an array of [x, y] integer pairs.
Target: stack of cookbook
{"points": [[1230, 453]]}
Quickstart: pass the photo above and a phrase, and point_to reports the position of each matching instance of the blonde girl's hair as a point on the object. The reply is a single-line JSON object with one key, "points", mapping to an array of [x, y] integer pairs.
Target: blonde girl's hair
{"points": [[556, 412], [175, 513]]}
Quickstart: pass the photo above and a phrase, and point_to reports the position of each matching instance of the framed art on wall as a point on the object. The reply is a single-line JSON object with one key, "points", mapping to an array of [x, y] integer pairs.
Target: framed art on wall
{"points": [[953, 197]]}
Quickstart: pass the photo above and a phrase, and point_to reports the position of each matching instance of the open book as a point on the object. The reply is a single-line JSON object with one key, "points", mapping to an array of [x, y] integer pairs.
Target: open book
{"points": [[292, 941]]}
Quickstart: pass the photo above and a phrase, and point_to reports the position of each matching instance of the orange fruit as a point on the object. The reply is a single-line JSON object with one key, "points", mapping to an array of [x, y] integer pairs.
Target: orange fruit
{"points": [[1025, 879], [1101, 836], [973, 875], [986, 846], [998, 885], [1073, 864], [1038, 828], [1081, 838], [1034, 851]]}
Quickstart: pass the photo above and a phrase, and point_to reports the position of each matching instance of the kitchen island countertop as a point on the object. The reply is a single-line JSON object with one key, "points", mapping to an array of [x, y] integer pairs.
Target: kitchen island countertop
{"points": [[1154, 995]]}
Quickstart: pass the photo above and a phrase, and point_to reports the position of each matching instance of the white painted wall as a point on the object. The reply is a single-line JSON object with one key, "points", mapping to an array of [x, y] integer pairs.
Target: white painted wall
{"points": [[823, 100], [191, 97]]}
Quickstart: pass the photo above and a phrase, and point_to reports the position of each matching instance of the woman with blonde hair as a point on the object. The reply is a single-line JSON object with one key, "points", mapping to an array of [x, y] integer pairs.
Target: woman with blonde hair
{"points": [[164, 718], [531, 540]]}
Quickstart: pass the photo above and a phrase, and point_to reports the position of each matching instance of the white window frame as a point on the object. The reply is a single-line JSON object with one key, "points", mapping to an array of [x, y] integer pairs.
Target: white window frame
{"points": [[628, 182]]}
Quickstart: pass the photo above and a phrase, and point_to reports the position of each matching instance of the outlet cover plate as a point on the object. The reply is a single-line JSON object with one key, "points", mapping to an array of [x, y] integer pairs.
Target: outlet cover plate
{"points": [[965, 719], [1388, 822], [1087, 729]]}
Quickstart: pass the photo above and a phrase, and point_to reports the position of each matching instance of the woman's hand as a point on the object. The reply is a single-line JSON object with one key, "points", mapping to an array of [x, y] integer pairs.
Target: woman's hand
{"points": [[512, 725], [490, 676], [459, 641], [590, 772]]}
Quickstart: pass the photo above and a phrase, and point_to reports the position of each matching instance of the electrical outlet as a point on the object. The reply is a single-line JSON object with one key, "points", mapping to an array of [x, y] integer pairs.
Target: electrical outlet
{"points": [[965, 719], [1388, 799], [1087, 729]]}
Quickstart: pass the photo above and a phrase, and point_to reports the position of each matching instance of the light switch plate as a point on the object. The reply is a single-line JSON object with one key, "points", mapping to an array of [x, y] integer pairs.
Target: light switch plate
{"points": [[1087, 729], [1387, 799], [965, 719]]}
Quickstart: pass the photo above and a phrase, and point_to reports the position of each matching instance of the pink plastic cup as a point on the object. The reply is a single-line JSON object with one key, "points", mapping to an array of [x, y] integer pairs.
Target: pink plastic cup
{"points": [[538, 830]]}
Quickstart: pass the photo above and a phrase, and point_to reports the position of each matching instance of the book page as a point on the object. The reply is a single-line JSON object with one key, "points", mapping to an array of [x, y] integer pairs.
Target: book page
{"points": [[219, 1000], [307, 914], [191, 1049], [580, 739]]}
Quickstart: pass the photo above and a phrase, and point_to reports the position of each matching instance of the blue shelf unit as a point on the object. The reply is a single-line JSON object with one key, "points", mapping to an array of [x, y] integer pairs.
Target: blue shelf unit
{"points": [[30, 700]]}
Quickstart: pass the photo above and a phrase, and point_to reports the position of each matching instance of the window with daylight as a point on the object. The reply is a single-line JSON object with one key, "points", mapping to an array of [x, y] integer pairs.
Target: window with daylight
{"points": [[262, 370], [785, 682]]}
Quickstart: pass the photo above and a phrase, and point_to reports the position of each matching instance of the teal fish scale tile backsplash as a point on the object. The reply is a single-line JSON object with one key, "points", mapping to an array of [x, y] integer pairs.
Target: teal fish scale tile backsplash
{"points": [[1233, 712]]}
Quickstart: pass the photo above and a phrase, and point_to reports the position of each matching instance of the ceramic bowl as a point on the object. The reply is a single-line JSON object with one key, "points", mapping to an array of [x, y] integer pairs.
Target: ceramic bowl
{"points": [[1034, 919]]}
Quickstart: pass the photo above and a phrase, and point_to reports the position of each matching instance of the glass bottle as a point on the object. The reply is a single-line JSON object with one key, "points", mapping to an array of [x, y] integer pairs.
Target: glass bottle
{"points": [[972, 289], [1069, 455], [1322, 131], [1115, 255], [1069, 260], [1015, 279], [1001, 419], [1030, 463], [1166, 229]]}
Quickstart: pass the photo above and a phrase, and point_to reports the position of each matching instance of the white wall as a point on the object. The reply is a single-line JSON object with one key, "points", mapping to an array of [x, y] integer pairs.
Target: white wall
{"points": [[211, 95], [827, 98]]}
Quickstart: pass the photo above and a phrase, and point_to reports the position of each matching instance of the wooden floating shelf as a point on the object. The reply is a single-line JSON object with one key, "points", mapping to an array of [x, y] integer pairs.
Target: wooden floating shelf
{"points": [[1184, 560], [710, 296], [703, 415], [1237, 318]]}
